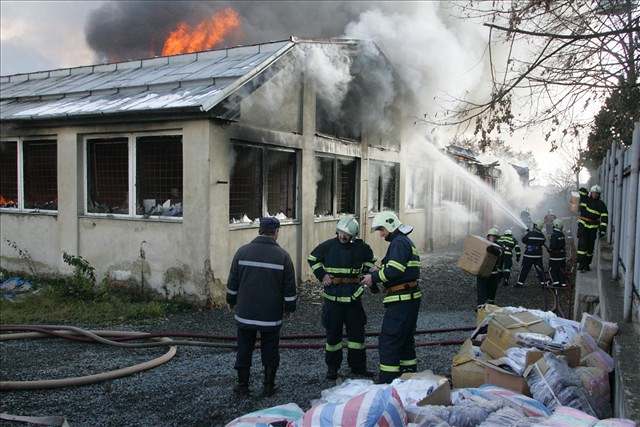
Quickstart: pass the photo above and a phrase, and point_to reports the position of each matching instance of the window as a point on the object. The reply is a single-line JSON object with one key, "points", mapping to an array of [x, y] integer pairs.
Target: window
{"points": [[8, 174], [263, 181], [383, 186], [136, 175], [336, 184], [40, 171], [108, 175], [159, 175], [324, 186], [416, 187], [29, 174], [245, 187]]}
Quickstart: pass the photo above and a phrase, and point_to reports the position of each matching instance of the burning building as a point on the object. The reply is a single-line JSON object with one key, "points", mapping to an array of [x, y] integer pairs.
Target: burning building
{"points": [[178, 155]]}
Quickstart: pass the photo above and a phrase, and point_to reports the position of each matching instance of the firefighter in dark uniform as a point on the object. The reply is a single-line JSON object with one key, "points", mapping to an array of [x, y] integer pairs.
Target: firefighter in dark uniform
{"points": [[592, 219], [338, 264], [534, 240], [399, 275], [488, 286], [261, 287], [510, 246], [557, 256]]}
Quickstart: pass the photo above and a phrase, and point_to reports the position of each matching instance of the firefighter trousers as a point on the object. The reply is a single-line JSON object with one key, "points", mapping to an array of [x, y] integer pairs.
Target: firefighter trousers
{"points": [[507, 263], [396, 345], [556, 271], [269, 341], [487, 288], [586, 242], [335, 317], [527, 263]]}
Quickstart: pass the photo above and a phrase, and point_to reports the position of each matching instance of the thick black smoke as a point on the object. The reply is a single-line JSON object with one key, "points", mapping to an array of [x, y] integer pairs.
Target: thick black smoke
{"points": [[136, 29]]}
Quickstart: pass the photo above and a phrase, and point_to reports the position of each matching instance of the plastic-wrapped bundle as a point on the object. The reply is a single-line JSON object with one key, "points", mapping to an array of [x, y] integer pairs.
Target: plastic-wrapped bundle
{"points": [[529, 406], [469, 414], [602, 331], [428, 415], [345, 391], [431, 422], [566, 330], [504, 417], [516, 358], [591, 355], [289, 414], [553, 383], [596, 384]]}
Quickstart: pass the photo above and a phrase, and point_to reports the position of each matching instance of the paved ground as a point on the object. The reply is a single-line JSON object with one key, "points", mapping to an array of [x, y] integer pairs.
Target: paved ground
{"points": [[195, 388]]}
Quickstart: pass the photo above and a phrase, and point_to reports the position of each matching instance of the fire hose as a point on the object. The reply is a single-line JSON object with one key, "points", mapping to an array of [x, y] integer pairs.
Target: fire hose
{"points": [[160, 339]]}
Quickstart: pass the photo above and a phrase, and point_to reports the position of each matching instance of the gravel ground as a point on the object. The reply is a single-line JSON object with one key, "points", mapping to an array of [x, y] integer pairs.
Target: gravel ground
{"points": [[195, 388]]}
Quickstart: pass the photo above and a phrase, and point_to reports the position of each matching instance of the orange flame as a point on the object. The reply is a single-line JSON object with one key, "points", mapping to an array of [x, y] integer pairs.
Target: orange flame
{"points": [[206, 35]]}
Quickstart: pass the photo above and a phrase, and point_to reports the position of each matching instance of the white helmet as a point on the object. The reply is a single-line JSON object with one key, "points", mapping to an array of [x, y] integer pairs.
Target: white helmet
{"points": [[508, 232], [596, 189]]}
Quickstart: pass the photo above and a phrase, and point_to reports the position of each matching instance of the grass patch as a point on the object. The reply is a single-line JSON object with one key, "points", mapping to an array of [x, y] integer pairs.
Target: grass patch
{"points": [[71, 300]]}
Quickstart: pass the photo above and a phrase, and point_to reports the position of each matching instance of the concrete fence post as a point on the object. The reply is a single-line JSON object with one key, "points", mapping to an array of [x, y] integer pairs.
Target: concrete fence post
{"points": [[630, 235], [610, 183], [615, 213]]}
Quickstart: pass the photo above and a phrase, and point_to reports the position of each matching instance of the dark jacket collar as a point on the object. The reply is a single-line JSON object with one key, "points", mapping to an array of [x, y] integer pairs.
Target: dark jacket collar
{"points": [[265, 240]]}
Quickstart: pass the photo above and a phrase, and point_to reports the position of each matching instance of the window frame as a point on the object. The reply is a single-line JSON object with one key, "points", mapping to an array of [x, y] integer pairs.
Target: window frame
{"points": [[398, 176], [264, 148], [20, 159], [334, 202], [408, 174], [132, 170]]}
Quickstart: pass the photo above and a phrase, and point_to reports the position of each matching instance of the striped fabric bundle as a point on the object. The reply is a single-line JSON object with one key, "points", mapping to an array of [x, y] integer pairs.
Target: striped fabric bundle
{"points": [[290, 414], [381, 407], [530, 407]]}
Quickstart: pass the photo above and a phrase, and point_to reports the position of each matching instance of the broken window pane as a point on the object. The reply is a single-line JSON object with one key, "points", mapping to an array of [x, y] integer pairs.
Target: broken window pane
{"points": [[324, 186], [245, 186], [383, 186], [108, 175], [8, 174], [40, 160], [281, 184], [159, 175], [347, 170]]}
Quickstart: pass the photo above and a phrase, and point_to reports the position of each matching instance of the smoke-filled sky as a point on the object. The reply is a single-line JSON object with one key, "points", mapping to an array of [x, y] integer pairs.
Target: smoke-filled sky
{"points": [[436, 54]]}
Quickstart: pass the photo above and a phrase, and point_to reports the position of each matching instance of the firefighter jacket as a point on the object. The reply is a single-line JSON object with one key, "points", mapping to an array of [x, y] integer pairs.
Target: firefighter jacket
{"points": [[593, 214], [510, 245], [341, 261], [534, 241], [401, 265], [262, 284], [557, 250]]}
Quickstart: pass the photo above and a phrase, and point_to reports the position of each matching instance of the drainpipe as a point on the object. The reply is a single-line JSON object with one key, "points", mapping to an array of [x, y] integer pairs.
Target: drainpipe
{"points": [[611, 182], [616, 212], [629, 261]]}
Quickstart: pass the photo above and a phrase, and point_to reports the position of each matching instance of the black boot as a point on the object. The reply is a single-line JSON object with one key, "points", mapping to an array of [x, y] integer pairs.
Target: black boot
{"points": [[269, 381], [242, 388], [361, 372], [332, 373]]}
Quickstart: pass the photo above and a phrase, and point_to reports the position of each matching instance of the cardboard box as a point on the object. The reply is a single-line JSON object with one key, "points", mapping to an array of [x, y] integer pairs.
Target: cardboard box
{"points": [[571, 354], [501, 377], [440, 396], [466, 369], [503, 328], [484, 311], [475, 259]]}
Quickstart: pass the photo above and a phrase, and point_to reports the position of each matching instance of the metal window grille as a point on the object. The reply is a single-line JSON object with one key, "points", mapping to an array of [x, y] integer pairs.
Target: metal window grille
{"points": [[108, 175], [324, 186], [245, 186], [159, 175], [281, 183], [40, 171], [8, 174], [347, 171]]}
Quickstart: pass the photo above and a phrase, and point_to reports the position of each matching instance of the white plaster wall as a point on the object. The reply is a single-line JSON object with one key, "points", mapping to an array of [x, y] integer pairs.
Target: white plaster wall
{"points": [[36, 233]]}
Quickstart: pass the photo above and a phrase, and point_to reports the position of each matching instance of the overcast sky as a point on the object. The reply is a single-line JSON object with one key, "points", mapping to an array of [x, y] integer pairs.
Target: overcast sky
{"points": [[44, 35]]}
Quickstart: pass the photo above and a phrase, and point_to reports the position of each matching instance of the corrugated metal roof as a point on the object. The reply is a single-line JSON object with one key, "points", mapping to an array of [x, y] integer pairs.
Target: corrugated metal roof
{"points": [[196, 80]]}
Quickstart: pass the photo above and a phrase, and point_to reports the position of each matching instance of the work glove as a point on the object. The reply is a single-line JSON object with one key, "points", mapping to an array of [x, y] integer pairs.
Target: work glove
{"points": [[493, 250], [326, 280]]}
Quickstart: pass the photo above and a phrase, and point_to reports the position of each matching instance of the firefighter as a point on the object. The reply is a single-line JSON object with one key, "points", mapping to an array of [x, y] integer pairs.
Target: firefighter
{"points": [[488, 286], [398, 275], [261, 287], [548, 222], [338, 263], [592, 220], [557, 256], [510, 245], [534, 240]]}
